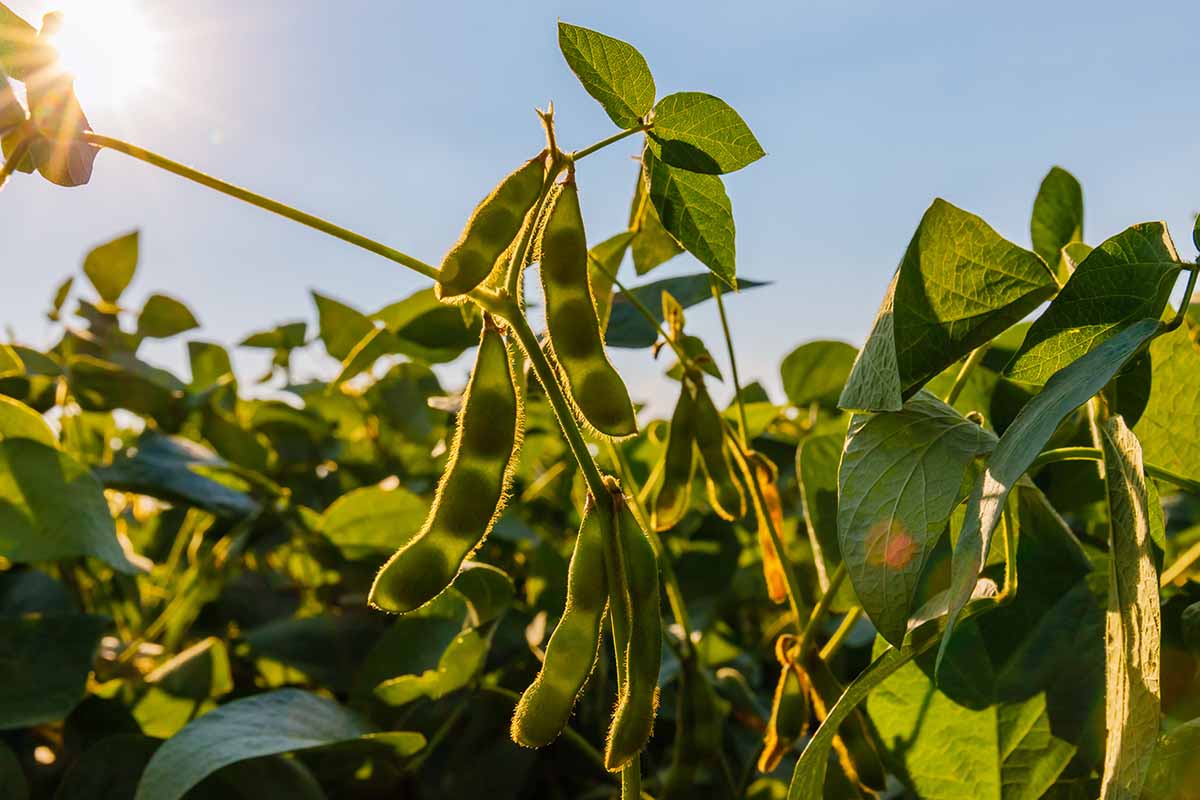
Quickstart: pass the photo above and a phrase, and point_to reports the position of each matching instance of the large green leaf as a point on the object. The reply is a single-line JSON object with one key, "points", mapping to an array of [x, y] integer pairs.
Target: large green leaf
{"points": [[51, 507], [628, 328], [1134, 620], [1167, 427], [696, 211], [959, 285], [373, 519], [427, 329], [282, 721], [702, 133], [163, 317], [1021, 443], [110, 266], [1057, 217], [19, 421], [457, 667], [611, 71], [1127, 278], [166, 467], [815, 372], [899, 480], [44, 666]]}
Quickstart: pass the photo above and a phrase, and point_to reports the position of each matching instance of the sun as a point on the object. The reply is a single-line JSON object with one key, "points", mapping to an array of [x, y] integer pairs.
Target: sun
{"points": [[108, 45]]}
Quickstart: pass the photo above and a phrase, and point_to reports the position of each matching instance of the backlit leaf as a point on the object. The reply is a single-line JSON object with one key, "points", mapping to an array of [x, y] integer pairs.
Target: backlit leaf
{"points": [[1134, 620], [899, 480], [1127, 278], [815, 372], [1057, 216], [701, 133], [959, 285], [163, 317], [110, 266], [1167, 427], [373, 519], [611, 71], [696, 211], [652, 245], [19, 421], [1021, 443]]}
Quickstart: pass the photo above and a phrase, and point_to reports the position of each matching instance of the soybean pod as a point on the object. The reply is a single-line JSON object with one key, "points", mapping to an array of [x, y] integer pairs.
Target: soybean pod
{"points": [[471, 493], [789, 707], [543, 710], [679, 465], [491, 229], [724, 492], [574, 330], [767, 475], [633, 720]]}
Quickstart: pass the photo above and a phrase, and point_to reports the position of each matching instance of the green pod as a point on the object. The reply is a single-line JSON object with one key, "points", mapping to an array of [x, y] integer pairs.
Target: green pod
{"points": [[471, 493], [679, 465], [543, 710], [633, 720], [492, 227], [596, 387], [724, 492]]}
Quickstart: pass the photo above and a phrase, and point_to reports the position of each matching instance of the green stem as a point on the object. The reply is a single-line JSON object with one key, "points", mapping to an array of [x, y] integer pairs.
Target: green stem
{"points": [[839, 636], [558, 401], [1193, 270], [737, 384], [822, 606], [641, 308], [1180, 565], [790, 580], [605, 142], [960, 380], [1094, 454], [521, 252]]}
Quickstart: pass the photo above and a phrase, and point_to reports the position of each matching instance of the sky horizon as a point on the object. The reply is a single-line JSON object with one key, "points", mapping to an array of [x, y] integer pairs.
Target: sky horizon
{"points": [[394, 119]]}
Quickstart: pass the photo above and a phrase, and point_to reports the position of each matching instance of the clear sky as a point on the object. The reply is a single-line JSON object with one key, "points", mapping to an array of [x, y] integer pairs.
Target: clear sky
{"points": [[394, 118]]}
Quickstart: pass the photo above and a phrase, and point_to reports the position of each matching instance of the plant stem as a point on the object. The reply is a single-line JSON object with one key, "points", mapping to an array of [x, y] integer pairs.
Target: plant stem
{"points": [[558, 401], [1094, 454], [640, 307], [822, 606], [1180, 565], [605, 142], [486, 298], [1193, 270], [517, 266], [670, 581], [835, 642], [960, 380], [737, 384], [791, 582]]}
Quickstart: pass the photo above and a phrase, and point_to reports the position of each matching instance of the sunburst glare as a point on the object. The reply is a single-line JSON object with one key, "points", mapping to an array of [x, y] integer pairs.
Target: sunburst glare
{"points": [[108, 45]]}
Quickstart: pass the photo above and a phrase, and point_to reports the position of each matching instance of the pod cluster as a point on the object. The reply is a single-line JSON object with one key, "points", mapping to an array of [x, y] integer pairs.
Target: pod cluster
{"points": [[612, 555], [472, 491]]}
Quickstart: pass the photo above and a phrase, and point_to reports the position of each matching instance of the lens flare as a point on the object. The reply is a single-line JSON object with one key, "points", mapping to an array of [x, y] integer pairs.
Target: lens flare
{"points": [[108, 45]]}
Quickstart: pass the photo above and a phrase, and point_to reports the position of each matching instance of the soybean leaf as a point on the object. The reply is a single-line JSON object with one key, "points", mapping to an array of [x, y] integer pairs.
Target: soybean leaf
{"points": [[21, 54], [611, 71], [487, 590], [696, 211], [197, 673], [282, 721], [702, 133], [373, 519], [899, 480], [59, 154], [1134, 628], [815, 372], [163, 317], [652, 245], [51, 507], [604, 261], [628, 328], [124, 382], [1174, 769], [1057, 217], [19, 421], [283, 337], [44, 670], [958, 286], [1066, 390], [460, 662], [166, 467], [1127, 278], [10, 362], [427, 329], [343, 329], [110, 266], [1167, 427], [209, 364]]}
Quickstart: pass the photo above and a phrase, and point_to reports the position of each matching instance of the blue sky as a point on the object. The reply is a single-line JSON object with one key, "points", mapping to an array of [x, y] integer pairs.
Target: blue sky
{"points": [[394, 118]]}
